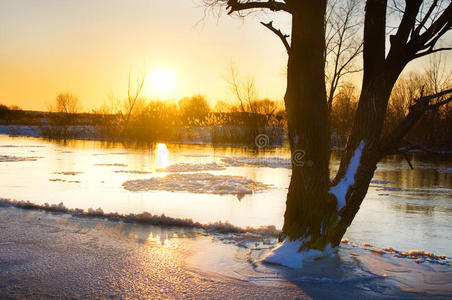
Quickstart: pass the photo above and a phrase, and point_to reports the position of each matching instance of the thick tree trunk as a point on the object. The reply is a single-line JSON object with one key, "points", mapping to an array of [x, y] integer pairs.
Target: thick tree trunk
{"points": [[308, 202]]}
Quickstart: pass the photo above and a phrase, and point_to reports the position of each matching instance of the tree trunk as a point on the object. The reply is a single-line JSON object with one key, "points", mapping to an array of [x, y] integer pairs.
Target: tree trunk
{"points": [[308, 202]]}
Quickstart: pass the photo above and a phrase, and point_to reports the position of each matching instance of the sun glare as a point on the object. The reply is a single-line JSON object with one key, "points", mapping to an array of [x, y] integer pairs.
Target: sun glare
{"points": [[162, 81]]}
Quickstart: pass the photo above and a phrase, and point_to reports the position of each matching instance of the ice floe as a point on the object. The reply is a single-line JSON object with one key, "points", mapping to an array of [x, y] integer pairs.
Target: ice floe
{"points": [[183, 167], [201, 183], [382, 182], [111, 153], [22, 146], [68, 173], [269, 162], [63, 180], [111, 165], [8, 158], [133, 172]]}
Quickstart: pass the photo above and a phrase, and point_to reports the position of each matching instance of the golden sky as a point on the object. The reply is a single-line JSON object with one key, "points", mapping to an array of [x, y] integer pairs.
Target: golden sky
{"points": [[88, 47]]}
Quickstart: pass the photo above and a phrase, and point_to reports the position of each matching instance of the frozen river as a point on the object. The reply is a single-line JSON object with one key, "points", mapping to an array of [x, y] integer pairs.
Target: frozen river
{"points": [[406, 209]]}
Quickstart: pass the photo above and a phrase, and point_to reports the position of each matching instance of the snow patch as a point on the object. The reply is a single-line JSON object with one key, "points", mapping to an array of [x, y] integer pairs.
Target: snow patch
{"points": [[340, 189], [183, 167], [201, 183], [287, 254]]}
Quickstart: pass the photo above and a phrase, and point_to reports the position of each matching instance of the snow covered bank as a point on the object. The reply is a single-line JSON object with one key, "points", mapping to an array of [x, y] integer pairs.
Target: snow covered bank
{"points": [[201, 183], [21, 130]]}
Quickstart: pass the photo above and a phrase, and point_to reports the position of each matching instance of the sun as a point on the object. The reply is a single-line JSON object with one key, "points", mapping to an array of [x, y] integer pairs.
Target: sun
{"points": [[162, 81]]}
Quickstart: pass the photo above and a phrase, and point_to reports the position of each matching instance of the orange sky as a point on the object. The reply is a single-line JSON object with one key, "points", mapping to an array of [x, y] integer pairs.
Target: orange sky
{"points": [[88, 47]]}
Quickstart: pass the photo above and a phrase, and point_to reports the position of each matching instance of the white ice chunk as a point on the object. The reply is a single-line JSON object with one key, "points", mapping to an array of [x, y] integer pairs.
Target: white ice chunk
{"points": [[203, 183], [340, 189]]}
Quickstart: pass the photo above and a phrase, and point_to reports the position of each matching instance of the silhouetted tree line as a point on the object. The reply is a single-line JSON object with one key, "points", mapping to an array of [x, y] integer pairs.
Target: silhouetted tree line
{"points": [[192, 118]]}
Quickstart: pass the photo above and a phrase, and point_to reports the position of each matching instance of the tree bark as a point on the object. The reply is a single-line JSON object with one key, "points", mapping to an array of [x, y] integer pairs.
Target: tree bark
{"points": [[308, 202]]}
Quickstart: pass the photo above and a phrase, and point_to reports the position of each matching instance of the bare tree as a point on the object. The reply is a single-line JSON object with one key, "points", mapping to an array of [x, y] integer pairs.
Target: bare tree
{"points": [[133, 98], [66, 103], [244, 90], [318, 211], [343, 42]]}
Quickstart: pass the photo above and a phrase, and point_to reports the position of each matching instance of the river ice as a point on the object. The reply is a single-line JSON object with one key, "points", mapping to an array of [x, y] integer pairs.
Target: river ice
{"points": [[184, 167], [202, 183], [221, 242]]}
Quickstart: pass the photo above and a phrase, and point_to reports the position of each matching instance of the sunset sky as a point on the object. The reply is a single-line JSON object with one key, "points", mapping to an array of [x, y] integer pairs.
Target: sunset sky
{"points": [[89, 47]]}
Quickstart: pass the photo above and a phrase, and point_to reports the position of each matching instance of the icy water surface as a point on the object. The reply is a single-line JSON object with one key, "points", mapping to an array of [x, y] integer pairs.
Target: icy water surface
{"points": [[406, 209]]}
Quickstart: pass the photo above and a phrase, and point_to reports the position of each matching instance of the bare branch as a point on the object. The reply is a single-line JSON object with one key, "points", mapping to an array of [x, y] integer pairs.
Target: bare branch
{"points": [[236, 6], [416, 111], [430, 51], [426, 17], [278, 32], [429, 38]]}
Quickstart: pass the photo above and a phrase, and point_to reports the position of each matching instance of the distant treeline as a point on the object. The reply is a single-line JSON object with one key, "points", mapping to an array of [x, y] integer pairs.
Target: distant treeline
{"points": [[192, 119]]}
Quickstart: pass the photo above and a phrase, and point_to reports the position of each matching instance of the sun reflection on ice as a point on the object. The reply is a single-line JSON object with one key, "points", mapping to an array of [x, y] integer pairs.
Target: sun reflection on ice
{"points": [[164, 239], [162, 156]]}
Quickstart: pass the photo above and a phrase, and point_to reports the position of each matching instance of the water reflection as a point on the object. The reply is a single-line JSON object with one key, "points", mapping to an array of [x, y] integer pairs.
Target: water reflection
{"points": [[162, 156]]}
